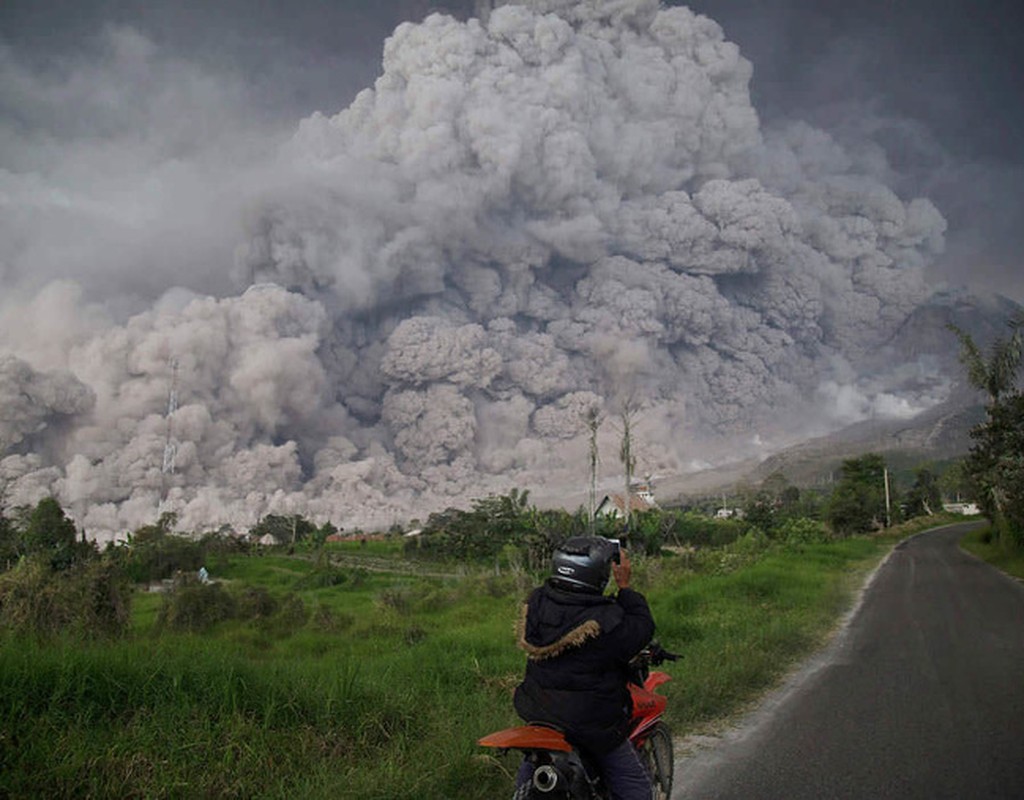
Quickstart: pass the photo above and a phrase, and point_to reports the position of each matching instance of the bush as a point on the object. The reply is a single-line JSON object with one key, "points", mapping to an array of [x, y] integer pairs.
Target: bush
{"points": [[751, 543], [193, 606], [155, 555], [89, 599], [330, 621], [802, 531], [293, 614], [323, 577], [222, 545], [256, 602], [395, 598], [699, 530]]}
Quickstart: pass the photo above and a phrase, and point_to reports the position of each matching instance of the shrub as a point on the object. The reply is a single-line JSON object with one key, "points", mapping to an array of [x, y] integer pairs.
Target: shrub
{"points": [[754, 541], [293, 614], [256, 602], [396, 598], [322, 577], [689, 528], [89, 599], [414, 635], [330, 621], [193, 606], [801, 530], [155, 555]]}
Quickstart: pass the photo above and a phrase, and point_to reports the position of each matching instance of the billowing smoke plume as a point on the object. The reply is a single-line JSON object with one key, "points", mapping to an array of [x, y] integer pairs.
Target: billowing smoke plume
{"points": [[569, 205]]}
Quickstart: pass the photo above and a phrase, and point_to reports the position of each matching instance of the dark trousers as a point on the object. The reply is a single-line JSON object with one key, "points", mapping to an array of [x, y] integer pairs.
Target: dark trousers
{"points": [[622, 769]]}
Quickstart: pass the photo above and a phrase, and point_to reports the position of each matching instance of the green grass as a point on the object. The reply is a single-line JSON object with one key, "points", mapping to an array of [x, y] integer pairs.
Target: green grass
{"points": [[377, 710], [982, 544], [741, 631], [388, 546], [384, 690]]}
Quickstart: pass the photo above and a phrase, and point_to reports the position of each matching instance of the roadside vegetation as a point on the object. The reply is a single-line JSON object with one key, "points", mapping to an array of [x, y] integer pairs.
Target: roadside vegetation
{"points": [[984, 544], [365, 668], [994, 469], [995, 466]]}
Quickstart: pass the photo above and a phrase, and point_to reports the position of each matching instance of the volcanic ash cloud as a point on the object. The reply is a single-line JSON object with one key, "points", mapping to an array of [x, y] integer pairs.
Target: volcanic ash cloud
{"points": [[568, 206]]}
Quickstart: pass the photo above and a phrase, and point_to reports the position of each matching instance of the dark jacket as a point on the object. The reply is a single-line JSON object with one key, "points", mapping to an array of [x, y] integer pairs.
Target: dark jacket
{"points": [[578, 648]]}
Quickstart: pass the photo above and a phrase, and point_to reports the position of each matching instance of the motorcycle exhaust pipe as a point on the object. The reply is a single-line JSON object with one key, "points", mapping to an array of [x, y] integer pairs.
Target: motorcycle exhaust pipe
{"points": [[545, 779]]}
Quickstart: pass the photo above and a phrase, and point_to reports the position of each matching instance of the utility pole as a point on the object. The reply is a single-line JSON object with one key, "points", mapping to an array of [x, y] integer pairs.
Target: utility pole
{"points": [[171, 446], [888, 515], [627, 457]]}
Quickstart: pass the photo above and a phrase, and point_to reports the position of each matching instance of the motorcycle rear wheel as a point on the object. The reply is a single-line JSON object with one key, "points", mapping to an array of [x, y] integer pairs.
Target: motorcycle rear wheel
{"points": [[658, 757]]}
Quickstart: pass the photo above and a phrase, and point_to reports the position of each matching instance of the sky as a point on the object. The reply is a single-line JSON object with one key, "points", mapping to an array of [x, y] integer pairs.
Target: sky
{"points": [[934, 83], [236, 280]]}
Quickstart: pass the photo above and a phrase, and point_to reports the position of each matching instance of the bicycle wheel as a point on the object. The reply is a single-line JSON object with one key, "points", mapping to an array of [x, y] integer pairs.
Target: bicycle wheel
{"points": [[659, 760]]}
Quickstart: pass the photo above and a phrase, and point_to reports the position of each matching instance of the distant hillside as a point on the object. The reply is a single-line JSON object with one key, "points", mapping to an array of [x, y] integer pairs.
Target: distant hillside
{"points": [[939, 434]]}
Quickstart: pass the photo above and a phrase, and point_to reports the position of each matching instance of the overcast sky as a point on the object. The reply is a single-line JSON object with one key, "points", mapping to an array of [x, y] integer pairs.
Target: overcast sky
{"points": [[477, 261], [933, 82], [936, 82]]}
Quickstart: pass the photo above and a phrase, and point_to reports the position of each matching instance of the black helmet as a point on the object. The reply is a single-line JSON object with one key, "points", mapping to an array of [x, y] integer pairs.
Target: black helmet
{"points": [[583, 563]]}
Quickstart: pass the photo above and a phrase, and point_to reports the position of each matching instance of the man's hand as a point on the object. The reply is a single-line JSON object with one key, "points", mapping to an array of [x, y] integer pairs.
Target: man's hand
{"points": [[621, 571]]}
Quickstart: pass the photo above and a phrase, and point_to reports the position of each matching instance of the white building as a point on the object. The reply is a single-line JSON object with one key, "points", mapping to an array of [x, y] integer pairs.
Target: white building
{"points": [[967, 509], [641, 498]]}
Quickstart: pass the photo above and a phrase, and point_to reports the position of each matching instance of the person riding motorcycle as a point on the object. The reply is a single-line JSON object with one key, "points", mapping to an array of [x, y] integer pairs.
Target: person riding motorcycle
{"points": [[579, 643]]}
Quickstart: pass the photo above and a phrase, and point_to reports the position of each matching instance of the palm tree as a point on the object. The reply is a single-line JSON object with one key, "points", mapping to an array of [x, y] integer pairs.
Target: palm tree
{"points": [[997, 374]]}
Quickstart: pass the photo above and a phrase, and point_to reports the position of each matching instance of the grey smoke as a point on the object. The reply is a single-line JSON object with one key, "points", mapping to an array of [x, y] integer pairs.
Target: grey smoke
{"points": [[569, 205], [31, 401]]}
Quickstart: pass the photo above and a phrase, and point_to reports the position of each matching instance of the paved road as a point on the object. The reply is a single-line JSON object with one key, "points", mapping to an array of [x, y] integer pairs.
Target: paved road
{"points": [[921, 696]]}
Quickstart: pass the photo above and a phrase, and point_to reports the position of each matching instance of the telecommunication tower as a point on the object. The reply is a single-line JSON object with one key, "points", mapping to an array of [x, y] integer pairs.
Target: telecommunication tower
{"points": [[171, 445]]}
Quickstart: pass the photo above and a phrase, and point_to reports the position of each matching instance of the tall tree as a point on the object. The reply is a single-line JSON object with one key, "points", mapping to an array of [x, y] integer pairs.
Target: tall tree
{"points": [[996, 469], [626, 456], [858, 504], [996, 373], [592, 418], [924, 497], [49, 528], [49, 531], [8, 542]]}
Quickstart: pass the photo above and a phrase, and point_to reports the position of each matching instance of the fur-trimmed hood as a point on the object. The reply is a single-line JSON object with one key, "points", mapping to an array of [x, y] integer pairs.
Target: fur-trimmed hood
{"points": [[553, 621]]}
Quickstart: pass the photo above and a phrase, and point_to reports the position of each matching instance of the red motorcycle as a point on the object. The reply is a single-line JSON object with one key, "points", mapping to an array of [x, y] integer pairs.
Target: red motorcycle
{"points": [[561, 772]]}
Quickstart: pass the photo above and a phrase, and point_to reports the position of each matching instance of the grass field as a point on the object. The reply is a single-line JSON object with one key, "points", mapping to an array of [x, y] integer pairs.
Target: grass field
{"points": [[379, 686]]}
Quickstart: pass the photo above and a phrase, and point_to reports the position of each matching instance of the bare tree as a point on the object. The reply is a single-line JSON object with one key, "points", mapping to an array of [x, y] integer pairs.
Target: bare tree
{"points": [[627, 415], [592, 417]]}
